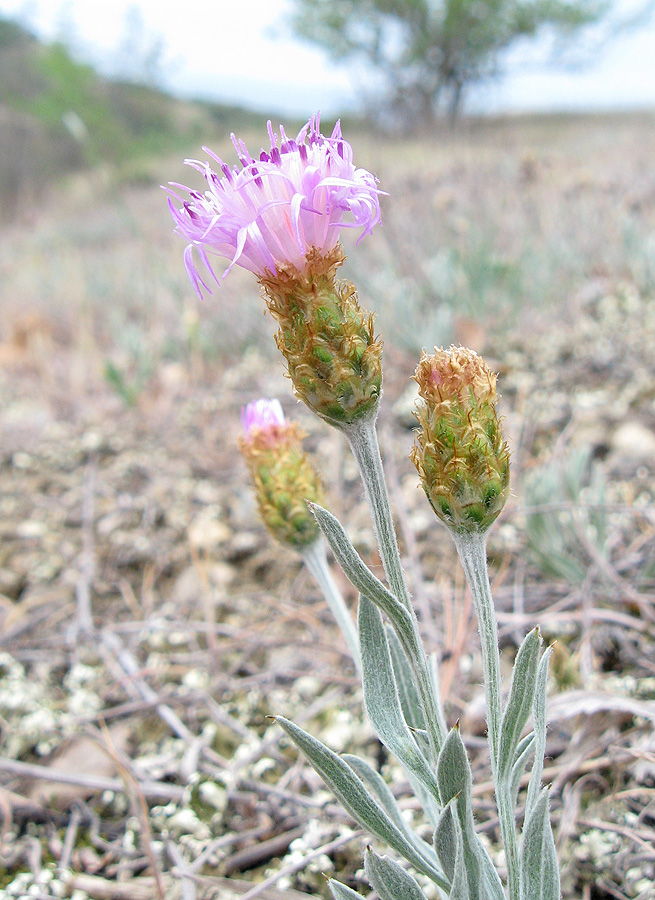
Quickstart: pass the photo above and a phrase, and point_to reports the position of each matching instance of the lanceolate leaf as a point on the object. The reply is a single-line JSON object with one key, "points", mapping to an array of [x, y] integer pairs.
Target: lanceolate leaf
{"points": [[523, 751], [377, 786], [455, 783], [381, 696], [354, 798], [363, 579], [389, 879], [402, 620], [409, 698], [538, 861], [460, 887], [342, 891], [539, 715], [519, 703], [447, 840]]}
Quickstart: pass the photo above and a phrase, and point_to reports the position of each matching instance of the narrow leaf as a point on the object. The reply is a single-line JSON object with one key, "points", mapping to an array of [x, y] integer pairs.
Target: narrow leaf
{"points": [[446, 837], [460, 888], [453, 770], [378, 787], [354, 798], [538, 859], [523, 751], [519, 703], [409, 698], [402, 620], [389, 879], [342, 891], [455, 783], [381, 696], [539, 716], [362, 578]]}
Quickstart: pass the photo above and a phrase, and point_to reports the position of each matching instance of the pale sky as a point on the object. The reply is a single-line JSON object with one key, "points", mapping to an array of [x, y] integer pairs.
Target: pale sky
{"points": [[242, 51]]}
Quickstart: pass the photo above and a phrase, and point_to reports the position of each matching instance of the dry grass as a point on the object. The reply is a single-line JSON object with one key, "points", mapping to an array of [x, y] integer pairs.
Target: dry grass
{"points": [[150, 626]]}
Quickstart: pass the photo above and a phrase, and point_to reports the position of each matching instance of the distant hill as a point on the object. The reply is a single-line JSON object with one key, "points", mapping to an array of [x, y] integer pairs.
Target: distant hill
{"points": [[58, 115]]}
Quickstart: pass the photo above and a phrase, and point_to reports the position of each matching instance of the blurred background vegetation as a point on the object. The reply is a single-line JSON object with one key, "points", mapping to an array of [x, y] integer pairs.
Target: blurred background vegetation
{"points": [[530, 238]]}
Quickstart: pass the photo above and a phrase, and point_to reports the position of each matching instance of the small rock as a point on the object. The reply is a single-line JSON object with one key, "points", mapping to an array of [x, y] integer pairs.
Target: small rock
{"points": [[242, 545], [635, 441], [11, 583], [403, 408], [206, 531]]}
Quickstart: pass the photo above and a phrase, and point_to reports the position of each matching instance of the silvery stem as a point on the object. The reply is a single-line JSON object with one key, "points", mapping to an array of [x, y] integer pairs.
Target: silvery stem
{"points": [[363, 439], [315, 558], [473, 555]]}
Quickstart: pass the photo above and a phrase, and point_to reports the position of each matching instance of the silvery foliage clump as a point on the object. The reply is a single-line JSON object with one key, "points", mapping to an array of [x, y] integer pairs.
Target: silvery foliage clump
{"points": [[401, 696]]}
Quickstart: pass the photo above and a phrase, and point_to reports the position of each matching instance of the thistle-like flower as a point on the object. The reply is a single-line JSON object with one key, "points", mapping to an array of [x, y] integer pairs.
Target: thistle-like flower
{"points": [[273, 211], [281, 472], [461, 456], [279, 217]]}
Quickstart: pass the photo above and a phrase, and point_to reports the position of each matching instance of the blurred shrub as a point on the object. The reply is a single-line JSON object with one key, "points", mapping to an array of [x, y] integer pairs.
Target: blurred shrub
{"points": [[567, 520]]}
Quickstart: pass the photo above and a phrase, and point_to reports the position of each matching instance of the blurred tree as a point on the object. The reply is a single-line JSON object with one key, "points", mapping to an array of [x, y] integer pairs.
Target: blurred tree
{"points": [[431, 51], [140, 54]]}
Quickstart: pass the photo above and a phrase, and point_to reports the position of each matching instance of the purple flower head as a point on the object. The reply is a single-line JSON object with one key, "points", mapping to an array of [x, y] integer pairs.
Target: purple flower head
{"points": [[273, 210], [261, 415]]}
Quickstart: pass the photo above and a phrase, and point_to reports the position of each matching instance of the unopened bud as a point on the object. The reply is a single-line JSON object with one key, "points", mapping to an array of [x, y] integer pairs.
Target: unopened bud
{"points": [[327, 339], [281, 472], [460, 454]]}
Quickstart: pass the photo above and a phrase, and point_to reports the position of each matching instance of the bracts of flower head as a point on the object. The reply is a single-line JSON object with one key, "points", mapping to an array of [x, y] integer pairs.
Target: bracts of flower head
{"points": [[281, 472], [460, 454], [280, 217]]}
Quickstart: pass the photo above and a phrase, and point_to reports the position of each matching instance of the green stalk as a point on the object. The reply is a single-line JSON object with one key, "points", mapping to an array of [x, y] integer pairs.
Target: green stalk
{"points": [[472, 551], [315, 558], [363, 439]]}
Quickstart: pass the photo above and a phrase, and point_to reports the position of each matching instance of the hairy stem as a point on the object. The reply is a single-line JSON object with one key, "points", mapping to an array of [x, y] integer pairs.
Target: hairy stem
{"points": [[363, 439], [473, 555]]}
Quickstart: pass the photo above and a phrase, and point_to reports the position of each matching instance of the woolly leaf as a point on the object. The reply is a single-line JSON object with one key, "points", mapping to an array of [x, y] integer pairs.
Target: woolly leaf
{"points": [[381, 696], [342, 891], [519, 702], [539, 715], [389, 879], [377, 786], [353, 796], [538, 858]]}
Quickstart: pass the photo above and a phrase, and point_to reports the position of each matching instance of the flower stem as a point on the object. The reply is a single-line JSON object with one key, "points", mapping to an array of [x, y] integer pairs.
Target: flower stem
{"points": [[471, 548], [363, 440], [315, 558]]}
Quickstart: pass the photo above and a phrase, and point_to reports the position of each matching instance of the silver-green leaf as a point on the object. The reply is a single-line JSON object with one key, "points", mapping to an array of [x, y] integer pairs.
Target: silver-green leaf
{"points": [[409, 697], [538, 859], [389, 879], [539, 716], [381, 696], [447, 838], [352, 795], [342, 891], [363, 579], [519, 702], [523, 751], [455, 784], [377, 786]]}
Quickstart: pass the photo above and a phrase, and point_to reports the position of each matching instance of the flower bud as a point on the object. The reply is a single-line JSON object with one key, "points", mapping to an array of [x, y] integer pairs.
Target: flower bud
{"points": [[281, 472], [460, 454], [327, 339]]}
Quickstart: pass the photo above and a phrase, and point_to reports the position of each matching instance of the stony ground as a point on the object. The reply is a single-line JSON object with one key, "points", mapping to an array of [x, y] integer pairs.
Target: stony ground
{"points": [[148, 623]]}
